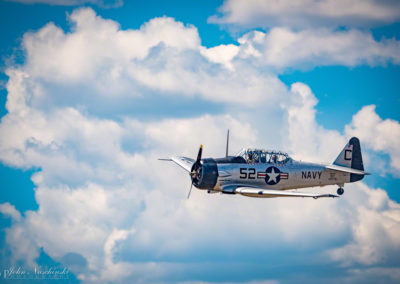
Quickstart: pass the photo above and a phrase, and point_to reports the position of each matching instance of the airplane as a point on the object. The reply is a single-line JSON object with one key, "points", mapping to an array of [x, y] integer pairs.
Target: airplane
{"points": [[268, 173]]}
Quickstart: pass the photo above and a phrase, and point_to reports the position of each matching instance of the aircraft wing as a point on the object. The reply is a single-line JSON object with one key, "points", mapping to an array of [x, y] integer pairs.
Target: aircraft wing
{"points": [[346, 170], [184, 162], [269, 193]]}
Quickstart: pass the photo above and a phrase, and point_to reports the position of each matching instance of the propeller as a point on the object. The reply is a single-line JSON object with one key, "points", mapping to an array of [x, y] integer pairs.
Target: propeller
{"points": [[195, 173], [190, 190], [199, 154]]}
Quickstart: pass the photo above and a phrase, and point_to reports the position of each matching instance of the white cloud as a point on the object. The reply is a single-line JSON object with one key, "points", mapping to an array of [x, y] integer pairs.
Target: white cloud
{"points": [[307, 13], [284, 48], [9, 210], [300, 37], [377, 219], [163, 56], [318, 144], [381, 135], [54, 55], [222, 54], [104, 196]]}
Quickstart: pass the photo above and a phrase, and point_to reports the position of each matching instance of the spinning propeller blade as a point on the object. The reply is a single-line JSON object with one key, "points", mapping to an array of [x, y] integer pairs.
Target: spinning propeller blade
{"points": [[190, 190], [199, 154], [193, 173]]}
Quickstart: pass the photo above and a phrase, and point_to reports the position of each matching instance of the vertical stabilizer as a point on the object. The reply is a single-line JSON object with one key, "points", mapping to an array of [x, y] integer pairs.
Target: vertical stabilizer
{"points": [[345, 157], [356, 162], [351, 157]]}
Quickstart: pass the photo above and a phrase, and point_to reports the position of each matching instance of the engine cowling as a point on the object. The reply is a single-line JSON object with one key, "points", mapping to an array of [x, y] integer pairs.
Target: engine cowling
{"points": [[206, 174]]}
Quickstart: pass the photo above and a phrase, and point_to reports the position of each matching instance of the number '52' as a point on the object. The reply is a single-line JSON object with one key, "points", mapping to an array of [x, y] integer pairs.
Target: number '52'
{"points": [[247, 173]]}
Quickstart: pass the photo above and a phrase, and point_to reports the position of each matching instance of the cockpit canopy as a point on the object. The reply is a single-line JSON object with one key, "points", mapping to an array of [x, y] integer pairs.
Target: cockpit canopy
{"points": [[254, 156]]}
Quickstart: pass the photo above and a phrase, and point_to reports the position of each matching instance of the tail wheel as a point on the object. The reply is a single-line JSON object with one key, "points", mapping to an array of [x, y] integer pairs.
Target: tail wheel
{"points": [[340, 191]]}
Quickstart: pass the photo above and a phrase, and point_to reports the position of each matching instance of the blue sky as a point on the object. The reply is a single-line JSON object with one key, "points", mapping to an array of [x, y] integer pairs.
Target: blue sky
{"points": [[96, 92]]}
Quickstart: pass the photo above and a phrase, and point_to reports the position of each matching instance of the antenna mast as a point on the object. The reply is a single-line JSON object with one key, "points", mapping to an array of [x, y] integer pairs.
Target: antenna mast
{"points": [[227, 143]]}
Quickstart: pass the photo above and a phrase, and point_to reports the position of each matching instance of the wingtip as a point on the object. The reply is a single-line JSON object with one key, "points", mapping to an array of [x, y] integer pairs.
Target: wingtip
{"points": [[326, 195]]}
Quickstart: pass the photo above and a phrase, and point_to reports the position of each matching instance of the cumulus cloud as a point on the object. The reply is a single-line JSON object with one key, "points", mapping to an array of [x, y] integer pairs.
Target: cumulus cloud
{"points": [[318, 143], [54, 55], [381, 135], [280, 49], [307, 13], [304, 34], [163, 56], [285, 48], [9, 210], [377, 218], [106, 200]]}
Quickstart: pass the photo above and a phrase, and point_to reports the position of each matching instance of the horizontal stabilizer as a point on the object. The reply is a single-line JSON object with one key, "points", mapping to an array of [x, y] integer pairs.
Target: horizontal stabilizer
{"points": [[346, 170]]}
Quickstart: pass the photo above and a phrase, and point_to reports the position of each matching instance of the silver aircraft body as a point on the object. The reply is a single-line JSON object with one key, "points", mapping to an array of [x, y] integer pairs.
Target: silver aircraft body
{"points": [[267, 173]]}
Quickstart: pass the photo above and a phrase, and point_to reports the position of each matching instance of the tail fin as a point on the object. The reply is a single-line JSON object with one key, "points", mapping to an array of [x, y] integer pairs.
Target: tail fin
{"points": [[351, 157]]}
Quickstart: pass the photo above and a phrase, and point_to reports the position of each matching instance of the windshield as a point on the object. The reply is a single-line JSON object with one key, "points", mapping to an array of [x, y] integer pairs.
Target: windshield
{"points": [[254, 156]]}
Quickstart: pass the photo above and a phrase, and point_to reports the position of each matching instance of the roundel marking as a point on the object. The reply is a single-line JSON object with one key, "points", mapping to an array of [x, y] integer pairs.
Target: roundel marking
{"points": [[273, 175]]}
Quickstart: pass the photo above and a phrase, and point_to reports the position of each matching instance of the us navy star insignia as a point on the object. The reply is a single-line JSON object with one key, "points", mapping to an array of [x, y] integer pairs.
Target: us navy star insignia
{"points": [[272, 176]]}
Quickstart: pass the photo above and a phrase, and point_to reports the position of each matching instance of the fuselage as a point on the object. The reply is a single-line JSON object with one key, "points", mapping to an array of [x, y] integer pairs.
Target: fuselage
{"points": [[257, 172], [278, 176]]}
